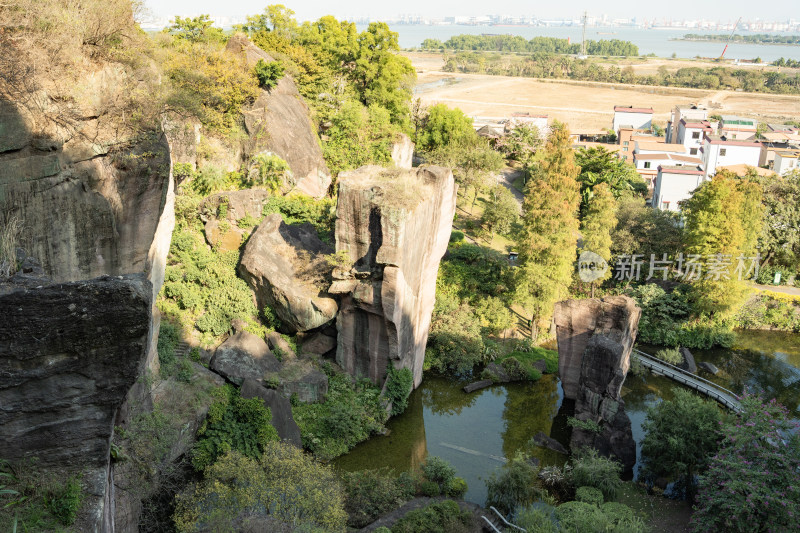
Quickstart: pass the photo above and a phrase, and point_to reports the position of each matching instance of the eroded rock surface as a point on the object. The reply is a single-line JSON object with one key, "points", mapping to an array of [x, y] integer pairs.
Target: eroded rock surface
{"points": [[279, 122], [285, 266], [243, 356], [394, 226], [280, 408], [403, 151], [595, 340], [221, 213]]}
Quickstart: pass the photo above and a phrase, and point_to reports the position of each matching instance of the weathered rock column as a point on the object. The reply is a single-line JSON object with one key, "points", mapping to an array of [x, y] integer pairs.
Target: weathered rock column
{"points": [[394, 226], [595, 340]]}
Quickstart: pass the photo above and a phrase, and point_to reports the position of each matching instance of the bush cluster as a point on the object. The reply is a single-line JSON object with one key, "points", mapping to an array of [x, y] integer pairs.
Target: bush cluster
{"points": [[440, 517], [349, 415], [233, 423], [398, 388], [372, 493]]}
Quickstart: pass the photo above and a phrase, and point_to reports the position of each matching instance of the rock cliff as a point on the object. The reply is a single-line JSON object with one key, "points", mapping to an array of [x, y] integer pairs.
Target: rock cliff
{"points": [[279, 122], [69, 354], [285, 266], [394, 225], [595, 339]]}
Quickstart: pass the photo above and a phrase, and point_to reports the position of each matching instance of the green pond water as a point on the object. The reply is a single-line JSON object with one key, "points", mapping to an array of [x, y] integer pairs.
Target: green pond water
{"points": [[476, 432]]}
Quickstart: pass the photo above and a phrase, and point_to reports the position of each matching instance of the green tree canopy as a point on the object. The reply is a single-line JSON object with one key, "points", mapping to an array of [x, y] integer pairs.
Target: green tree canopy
{"points": [[752, 483], [444, 126], [598, 165], [195, 29], [547, 242], [681, 436], [723, 219], [284, 483], [501, 211], [643, 230], [598, 223]]}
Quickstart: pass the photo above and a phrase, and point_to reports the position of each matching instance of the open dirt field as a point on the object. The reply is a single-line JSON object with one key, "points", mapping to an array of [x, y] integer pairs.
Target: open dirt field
{"points": [[585, 106]]}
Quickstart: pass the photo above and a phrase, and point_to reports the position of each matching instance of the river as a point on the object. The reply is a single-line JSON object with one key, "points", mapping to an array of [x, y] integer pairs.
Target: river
{"points": [[650, 41], [476, 432]]}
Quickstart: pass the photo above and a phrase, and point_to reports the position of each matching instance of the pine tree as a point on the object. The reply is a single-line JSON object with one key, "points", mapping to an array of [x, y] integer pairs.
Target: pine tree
{"points": [[598, 223], [723, 221], [548, 239]]}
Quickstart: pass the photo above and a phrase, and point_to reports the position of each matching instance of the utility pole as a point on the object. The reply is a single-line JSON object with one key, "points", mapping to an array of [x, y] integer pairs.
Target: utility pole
{"points": [[583, 39]]}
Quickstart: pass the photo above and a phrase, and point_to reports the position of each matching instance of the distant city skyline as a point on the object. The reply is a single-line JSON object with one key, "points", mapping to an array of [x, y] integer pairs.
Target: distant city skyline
{"points": [[723, 11]]}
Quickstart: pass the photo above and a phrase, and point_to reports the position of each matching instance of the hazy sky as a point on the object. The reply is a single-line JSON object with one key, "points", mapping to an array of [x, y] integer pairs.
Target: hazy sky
{"points": [[722, 10]]}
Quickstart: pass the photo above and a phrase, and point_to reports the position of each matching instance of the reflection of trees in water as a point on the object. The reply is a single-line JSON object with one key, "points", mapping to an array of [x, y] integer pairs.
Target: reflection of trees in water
{"points": [[443, 397], [529, 409]]}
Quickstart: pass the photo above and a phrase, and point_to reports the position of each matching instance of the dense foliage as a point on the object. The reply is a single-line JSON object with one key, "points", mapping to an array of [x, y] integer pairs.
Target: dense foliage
{"points": [[441, 517], [557, 66], [233, 423], [515, 43], [681, 436], [513, 485], [759, 38], [283, 483], [751, 483], [399, 383], [372, 493], [349, 415], [547, 243]]}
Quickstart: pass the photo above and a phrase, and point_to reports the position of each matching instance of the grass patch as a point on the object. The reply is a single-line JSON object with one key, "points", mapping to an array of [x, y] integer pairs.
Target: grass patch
{"points": [[31, 500], [528, 357]]}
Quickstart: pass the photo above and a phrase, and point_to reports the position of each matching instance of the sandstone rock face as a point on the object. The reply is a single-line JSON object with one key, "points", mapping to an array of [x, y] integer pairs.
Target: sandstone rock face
{"points": [[279, 406], [279, 122], [284, 265], [87, 208], [595, 339], [222, 211], [403, 152], [69, 355], [578, 320], [243, 356], [394, 225]]}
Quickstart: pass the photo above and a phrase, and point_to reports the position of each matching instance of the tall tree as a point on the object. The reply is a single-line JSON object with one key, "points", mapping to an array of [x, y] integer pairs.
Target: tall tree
{"points": [[598, 223], [681, 436], [501, 212], [599, 165], [547, 243], [723, 220], [780, 240]]}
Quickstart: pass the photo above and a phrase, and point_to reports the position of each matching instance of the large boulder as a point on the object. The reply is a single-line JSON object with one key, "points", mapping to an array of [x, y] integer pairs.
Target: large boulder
{"points": [[244, 356], [688, 362], [403, 151], [286, 267], [221, 213], [595, 340], [279, 406], [279, 122], [394, 225]]}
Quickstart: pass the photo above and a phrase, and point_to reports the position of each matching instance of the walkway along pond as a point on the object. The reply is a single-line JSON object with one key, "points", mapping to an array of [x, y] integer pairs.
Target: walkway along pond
{"points": [[476, 432]]}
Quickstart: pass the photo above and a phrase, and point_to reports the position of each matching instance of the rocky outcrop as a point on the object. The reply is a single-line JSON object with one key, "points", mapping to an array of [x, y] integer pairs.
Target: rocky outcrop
{"points": [[394, 226], [688, 362], [280, 408], [69, 355], [403, 151], [285, 266], [711, 368], [595, 340], [577, 321], [243, 356], [222, 211], [279, 122]]}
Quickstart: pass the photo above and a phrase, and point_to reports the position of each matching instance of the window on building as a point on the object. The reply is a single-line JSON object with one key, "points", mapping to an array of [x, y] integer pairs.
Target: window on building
{"points": [[733, 136], [647, 164], [723, 151], [625, 143], [695, 135], [692, 151], [665, 206], [624, 148]]}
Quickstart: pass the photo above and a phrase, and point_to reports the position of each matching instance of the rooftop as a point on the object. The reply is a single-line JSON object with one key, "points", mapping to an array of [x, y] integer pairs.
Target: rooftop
{"points": [[722, 139], [631, 109], [668, 157], [693, 171], [655, 146], [734, 120], [741, 170]]}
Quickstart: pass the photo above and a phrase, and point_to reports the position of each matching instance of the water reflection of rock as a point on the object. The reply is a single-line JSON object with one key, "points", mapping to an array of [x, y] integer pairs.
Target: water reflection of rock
{"points": [[403, 449], [529, 409]]}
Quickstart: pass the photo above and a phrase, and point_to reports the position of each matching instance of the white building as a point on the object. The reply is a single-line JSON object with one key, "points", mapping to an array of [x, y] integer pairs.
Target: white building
{"points": [[529, 119], [690, 134], [691, 113], [639, 118], [786, 161], [674, 185], [647, 164], [719, 151]]}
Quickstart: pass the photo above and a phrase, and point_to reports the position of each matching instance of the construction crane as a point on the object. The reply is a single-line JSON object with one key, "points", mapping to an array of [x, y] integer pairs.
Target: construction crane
{"points": [[729, 39]]}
